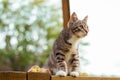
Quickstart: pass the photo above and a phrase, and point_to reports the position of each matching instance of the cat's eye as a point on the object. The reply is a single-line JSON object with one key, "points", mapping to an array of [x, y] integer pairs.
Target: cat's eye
{"points": [[81, 26]]}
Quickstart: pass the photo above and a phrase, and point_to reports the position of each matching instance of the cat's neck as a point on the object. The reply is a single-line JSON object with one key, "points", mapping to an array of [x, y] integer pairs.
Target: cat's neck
{"points": [[74, 41]]}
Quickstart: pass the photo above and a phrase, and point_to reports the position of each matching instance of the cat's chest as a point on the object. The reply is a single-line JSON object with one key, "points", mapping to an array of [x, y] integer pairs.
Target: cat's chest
{"points": [[69, 55], [74, 41]]}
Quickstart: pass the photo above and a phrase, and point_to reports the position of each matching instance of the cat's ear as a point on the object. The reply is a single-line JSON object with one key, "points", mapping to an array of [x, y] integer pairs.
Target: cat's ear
{"points": [[85, 19], [73, 18]]}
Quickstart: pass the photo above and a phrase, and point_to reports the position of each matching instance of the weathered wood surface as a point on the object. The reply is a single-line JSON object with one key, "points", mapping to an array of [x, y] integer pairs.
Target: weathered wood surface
{"points": [[12, 75], [44, 76], [38, 76], [66, 12], [83, 78]]}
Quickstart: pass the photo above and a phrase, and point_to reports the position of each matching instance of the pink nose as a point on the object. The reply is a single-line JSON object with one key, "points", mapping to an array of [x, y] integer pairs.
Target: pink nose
{"points": [[86, 30]]}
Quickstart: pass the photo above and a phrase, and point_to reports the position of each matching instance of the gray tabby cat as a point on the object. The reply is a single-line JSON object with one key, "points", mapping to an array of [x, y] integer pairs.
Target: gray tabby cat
{"points": [[64, 59]]}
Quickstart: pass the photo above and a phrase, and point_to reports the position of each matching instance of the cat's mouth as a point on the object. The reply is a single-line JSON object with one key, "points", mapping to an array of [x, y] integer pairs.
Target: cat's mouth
{"points": [[78, 36], [82, 34]]}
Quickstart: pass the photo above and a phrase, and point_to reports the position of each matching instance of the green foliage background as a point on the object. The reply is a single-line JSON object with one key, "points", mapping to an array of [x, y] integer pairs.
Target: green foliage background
{"points": [[27, 31]]}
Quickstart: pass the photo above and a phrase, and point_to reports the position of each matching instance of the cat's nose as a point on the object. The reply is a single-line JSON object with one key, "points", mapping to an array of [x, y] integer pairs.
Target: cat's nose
{"points": [[86, 30]]}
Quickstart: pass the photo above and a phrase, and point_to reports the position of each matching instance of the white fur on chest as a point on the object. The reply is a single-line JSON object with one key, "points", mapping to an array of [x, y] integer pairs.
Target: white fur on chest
{"points": [[74, 41]]}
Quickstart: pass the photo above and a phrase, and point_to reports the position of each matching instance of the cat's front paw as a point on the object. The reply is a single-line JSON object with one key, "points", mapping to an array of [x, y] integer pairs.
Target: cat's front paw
{"points": [[61, 73], [74, 74]]}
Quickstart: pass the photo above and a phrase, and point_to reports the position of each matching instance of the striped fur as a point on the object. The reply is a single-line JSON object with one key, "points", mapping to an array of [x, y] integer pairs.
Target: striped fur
{"points": [[64, 57]]}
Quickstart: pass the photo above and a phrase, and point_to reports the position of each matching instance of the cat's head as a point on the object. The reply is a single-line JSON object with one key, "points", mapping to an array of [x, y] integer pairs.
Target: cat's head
{"points": [[79, 28]]}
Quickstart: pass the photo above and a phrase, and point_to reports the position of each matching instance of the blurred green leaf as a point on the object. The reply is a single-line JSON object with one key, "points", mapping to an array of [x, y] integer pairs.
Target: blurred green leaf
{"points": [[29, 31]]}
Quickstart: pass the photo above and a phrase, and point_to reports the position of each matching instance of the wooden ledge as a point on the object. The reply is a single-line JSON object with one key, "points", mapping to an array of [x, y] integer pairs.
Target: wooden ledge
{"points": [[45, 76], [82, 78], [13, 75], [38, 76]]}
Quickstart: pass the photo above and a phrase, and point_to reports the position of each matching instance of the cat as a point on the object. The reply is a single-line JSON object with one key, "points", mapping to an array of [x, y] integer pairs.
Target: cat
{"points": [[64, 59]]}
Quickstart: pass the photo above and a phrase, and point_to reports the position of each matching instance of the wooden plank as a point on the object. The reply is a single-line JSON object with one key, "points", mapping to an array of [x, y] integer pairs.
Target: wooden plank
{"points": [[66, 12], [44, 76], [38, 76], [82, 78], [12, 75]]}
